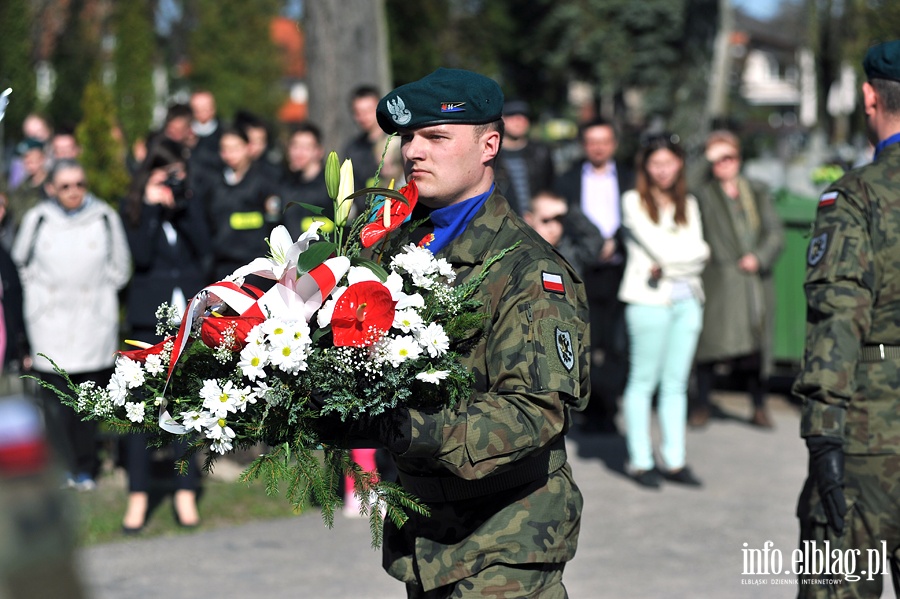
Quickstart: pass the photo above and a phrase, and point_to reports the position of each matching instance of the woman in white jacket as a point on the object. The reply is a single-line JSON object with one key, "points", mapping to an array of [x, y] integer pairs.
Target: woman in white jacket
{"points": [[73, 259], [663, 294]]}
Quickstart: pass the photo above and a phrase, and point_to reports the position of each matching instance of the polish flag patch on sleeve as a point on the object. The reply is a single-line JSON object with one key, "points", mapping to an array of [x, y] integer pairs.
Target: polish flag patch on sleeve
{"points": [[553, 282], [828, 199]]}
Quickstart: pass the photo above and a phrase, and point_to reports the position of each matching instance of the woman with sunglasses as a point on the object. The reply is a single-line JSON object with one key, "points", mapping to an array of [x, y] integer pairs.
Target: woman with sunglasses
{"points": [[745, 237], [663, 294], [73, 259]]}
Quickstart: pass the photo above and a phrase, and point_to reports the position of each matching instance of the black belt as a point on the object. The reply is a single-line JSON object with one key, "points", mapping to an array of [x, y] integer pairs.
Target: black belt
{"points": [[879, 353], [434, 489]]}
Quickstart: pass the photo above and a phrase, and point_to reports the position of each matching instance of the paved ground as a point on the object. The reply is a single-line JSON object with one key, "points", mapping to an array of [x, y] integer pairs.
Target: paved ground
{"points": [[674, 542]]}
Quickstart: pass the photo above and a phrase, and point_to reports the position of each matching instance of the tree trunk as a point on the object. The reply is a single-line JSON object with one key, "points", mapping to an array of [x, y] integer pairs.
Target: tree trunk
{"points": [[346, 46], [717, 100]]}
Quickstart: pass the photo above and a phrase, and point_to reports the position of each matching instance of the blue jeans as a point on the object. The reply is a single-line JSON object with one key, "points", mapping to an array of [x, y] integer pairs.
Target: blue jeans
{"points": [[663, 341]]}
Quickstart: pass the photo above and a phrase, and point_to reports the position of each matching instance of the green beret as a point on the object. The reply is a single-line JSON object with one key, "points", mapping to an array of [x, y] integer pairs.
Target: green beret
{"points": [[883, 61], [445, 96]]}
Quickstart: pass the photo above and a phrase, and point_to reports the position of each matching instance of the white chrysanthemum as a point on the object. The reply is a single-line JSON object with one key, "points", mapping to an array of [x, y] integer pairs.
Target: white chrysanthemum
{"points": [[221, 435], [263, 391], [415, 260], [445, 269], [434, 340], [192, 419], [403, 348], [135, 410], [219, 400], [407, 321], [130, 372], [254, 359], [433, 376], [154, 364], [289, 354], [118, 389]]}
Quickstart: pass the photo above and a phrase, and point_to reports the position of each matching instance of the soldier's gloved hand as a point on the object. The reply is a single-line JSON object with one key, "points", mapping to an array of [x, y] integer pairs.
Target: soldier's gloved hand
{"points": [[826, 466], [392, 429]]}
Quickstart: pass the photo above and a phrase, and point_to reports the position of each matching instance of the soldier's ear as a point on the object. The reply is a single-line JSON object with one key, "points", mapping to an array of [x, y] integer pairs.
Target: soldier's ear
{"points": [[870, 98], [490, 145]]}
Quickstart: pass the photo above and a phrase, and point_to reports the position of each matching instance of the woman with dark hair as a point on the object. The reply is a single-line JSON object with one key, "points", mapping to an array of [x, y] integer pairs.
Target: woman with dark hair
{"points": [[169, 241], [663, 294]]}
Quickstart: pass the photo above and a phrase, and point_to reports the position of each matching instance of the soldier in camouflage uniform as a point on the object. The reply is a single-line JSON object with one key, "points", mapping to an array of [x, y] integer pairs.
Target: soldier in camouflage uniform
{"points": [[850, 379], [505, 511]]}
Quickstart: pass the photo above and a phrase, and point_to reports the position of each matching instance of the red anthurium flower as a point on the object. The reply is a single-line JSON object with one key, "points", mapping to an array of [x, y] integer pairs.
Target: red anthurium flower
{"points": [[215, 328], [362, 315], [141, 355], [376, 230]]}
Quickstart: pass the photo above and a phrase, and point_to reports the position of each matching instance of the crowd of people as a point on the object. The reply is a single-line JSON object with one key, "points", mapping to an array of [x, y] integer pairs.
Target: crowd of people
{"points": [[651, 248]]}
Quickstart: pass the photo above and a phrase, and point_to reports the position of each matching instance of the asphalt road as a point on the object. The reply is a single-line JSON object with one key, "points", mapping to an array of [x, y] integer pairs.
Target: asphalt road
{"points": [[674, 542]]}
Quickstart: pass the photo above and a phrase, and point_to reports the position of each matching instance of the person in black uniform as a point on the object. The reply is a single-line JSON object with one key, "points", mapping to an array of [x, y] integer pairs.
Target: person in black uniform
{"points": [[304, 180], [243, 206]]}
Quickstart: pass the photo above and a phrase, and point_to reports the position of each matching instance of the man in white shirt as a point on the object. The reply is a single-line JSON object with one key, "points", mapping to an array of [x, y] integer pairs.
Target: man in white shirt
{"points": [[595, 186]]}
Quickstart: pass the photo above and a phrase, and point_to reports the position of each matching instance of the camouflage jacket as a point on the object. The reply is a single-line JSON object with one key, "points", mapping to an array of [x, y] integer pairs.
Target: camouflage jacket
{"points": [[853, 300], [531, 367]]}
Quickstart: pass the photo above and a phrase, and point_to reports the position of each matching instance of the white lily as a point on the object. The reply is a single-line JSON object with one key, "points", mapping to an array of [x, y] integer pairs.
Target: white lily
{"points": [[283, 254], [341, 204]]}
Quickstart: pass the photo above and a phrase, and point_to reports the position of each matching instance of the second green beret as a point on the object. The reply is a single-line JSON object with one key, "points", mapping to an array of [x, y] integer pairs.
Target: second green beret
{"points": [[883, 61]]}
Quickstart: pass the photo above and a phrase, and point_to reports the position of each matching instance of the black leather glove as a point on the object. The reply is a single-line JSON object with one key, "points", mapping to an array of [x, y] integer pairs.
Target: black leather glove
{"points": [[392, 429], [826, 466]]}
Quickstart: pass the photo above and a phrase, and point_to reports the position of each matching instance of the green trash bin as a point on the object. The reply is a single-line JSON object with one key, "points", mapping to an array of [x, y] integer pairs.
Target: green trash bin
{"points": [[797, 214]]}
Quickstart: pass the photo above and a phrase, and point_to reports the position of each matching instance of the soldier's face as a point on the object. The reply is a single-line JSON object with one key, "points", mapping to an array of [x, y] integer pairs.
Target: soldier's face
{"points": [[448, 162]]}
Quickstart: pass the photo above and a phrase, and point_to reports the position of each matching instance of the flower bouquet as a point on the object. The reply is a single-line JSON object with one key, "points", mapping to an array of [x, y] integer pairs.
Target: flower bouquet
{"points": [[359, 323]]}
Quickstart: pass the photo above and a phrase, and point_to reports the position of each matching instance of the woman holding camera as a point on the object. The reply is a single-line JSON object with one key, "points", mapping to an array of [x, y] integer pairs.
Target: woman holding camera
{"points": [[169, 240], [663, 294]]}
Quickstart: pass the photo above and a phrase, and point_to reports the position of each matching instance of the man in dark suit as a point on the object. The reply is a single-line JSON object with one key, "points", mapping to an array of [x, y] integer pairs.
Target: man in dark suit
{"points": [[595, 185]]}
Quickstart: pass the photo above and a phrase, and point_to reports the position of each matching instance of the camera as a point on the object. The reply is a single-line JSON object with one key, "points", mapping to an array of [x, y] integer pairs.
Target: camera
{"points": [[179, 189]]}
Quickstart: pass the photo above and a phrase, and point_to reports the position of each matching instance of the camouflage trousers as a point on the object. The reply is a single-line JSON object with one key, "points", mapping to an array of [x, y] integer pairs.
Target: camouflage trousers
{"points": [[501, 581], [871, 531]]}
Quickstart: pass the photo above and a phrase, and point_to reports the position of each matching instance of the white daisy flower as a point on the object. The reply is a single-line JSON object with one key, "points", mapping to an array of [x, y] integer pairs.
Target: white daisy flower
{"points": [[221, 435], [275, 328], [434, 340], [288, 355], [192, 419], [256, 336], [220, 400], [403, 348], [135, 410], [245, 396], [433, 376], [254, 359], [407, 321]]}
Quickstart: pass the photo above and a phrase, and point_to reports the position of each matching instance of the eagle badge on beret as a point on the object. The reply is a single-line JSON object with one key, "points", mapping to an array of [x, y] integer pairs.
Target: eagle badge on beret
{"points": [[399, 113]]}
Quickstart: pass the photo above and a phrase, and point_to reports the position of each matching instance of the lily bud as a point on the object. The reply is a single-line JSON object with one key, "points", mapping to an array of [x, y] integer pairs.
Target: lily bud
{"points": [[342, 205], [332, 175]]}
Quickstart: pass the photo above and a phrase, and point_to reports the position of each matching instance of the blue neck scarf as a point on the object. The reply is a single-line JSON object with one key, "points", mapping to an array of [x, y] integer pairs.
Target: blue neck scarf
{"points": [[450, 221], [885, 143]]}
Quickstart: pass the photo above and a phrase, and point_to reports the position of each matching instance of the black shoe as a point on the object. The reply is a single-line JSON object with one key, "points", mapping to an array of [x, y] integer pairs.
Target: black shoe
{"points": [[129, 531], [682, 476], [647, 478]]}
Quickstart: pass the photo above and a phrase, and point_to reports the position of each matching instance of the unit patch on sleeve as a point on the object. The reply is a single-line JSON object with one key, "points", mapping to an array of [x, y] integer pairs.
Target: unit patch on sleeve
{"points": [[818, 247], [553, 283]]}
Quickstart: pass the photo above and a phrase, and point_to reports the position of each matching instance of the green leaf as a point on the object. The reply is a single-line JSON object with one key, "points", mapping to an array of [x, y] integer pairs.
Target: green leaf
{"points": [[314, 256], [376, 268], [381, 191], [317, 210]]}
